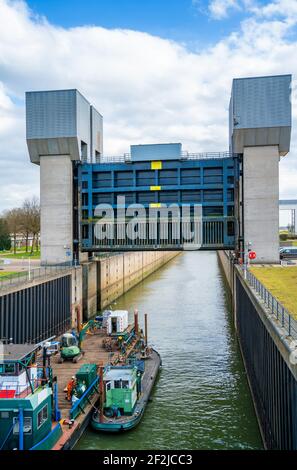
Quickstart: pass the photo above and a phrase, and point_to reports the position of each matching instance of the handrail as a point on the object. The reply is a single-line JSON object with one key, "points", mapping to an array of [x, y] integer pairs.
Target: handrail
{"points": [[22, 391], [54, 430], [78, 402], [183, 156], [282, 315], [38, 273]]}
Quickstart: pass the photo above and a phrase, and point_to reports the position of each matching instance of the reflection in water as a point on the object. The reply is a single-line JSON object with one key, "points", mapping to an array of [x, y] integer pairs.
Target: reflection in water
{"points": [[201, 399]]}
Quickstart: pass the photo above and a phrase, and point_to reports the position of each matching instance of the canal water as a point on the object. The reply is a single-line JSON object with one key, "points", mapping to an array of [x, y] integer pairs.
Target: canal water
{"points": [[201, 399]]}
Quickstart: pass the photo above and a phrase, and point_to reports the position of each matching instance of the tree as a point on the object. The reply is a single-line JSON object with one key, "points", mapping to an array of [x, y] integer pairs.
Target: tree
{"points": [[30, 221], [5, 241], [13, 219], [26, 221], [34, 221]]}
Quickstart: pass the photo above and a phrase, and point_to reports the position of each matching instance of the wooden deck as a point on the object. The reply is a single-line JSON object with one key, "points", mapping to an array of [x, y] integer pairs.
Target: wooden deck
{"points": [[94, 354]]}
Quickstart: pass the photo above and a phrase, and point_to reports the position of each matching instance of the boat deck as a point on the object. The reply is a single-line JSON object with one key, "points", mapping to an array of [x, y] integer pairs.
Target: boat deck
{"points": [[152, 366], [94, 354]]}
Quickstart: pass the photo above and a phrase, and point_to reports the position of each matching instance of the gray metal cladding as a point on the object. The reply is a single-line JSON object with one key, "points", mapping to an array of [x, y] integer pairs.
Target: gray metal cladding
{"points": [[36, 313], [62, 122], [51, 114], [96, 133], [148, 152], [83, 120], [261, 102], [260, 113]]}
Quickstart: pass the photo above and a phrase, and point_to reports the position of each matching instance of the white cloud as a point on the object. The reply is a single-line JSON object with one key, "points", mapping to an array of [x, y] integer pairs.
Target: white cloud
{"points": [[219, 9], [282, 8], [147, 88]]}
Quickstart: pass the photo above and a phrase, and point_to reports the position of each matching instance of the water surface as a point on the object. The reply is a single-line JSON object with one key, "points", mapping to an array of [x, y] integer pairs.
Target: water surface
{"points": [[201, 399]]}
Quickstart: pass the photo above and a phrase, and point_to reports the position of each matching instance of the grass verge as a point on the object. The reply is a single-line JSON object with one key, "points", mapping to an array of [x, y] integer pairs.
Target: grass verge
{"points": [[20, 255], [10, 274], [281, 282]]}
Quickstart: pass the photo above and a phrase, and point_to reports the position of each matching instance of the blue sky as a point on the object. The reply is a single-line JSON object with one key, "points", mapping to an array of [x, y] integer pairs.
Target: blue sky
{"points": [[181, 20]]}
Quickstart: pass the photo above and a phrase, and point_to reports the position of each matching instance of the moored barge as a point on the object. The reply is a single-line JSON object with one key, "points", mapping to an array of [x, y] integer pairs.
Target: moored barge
{"points": [[38, 411], [126, 392]]}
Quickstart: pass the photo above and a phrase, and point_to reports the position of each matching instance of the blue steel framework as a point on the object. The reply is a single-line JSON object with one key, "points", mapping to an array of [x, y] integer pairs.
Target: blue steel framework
{"points": [[211, 182]]}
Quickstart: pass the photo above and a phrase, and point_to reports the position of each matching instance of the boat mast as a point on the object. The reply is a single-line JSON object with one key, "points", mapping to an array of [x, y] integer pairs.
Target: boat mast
{"points": [[145, 328], [101, 392], [136, 322]]}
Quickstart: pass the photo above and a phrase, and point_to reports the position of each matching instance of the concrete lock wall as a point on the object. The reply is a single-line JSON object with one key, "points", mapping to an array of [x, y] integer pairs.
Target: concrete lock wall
{"points": [[271, 375], [266, 353], [118, 274], [36, 311], [89, 289], [77, 296]]}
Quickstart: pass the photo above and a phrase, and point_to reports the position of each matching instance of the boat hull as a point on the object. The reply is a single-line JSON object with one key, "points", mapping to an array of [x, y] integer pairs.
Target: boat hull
{"points": [[116, 425]]}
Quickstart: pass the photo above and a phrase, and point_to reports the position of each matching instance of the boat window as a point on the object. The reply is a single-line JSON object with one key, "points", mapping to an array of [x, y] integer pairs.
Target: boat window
{"points": [[125, 384], [27, 426], [114, 325], [117, 384], [108, 386], [42, 416], [68, 341], [9, 368]]}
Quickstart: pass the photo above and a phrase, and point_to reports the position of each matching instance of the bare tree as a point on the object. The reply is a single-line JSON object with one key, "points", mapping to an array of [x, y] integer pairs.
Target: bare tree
{"points": [[25, 221], [30, 213], [5, 241], [13, 218], [34, 221]]}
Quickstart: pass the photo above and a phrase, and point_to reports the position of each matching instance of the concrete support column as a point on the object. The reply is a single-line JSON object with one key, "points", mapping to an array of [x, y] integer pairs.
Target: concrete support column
{"points": [[261, 201], [56, 195]]}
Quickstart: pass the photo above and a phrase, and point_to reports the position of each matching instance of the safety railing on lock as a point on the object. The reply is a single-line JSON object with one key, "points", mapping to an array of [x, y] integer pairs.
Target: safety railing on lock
{"points": [[23, 277], [126, 158], [285, 319]]}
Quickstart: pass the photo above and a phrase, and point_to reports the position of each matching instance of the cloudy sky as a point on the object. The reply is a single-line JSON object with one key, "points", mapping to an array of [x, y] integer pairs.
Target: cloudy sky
{"points": [[158, 71]]}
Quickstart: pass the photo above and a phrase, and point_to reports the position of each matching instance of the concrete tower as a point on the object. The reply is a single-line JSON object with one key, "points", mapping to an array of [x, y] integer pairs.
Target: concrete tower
{"points": [[62, 128], [260, 130]]}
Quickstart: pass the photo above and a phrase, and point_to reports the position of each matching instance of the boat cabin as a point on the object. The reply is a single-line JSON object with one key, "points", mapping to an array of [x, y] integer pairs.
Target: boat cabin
{"points": [[68, 340], [25, 399], [121, 384], [18, 370], [117, 322]]}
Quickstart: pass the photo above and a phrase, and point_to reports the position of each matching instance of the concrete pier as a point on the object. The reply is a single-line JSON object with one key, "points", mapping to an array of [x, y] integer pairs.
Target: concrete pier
{"points": [[56, 194], [261, 201]]}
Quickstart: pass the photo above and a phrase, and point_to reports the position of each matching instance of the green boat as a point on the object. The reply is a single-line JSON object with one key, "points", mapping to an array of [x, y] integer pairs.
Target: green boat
{"points": [[125, 392], [29, 417]]}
